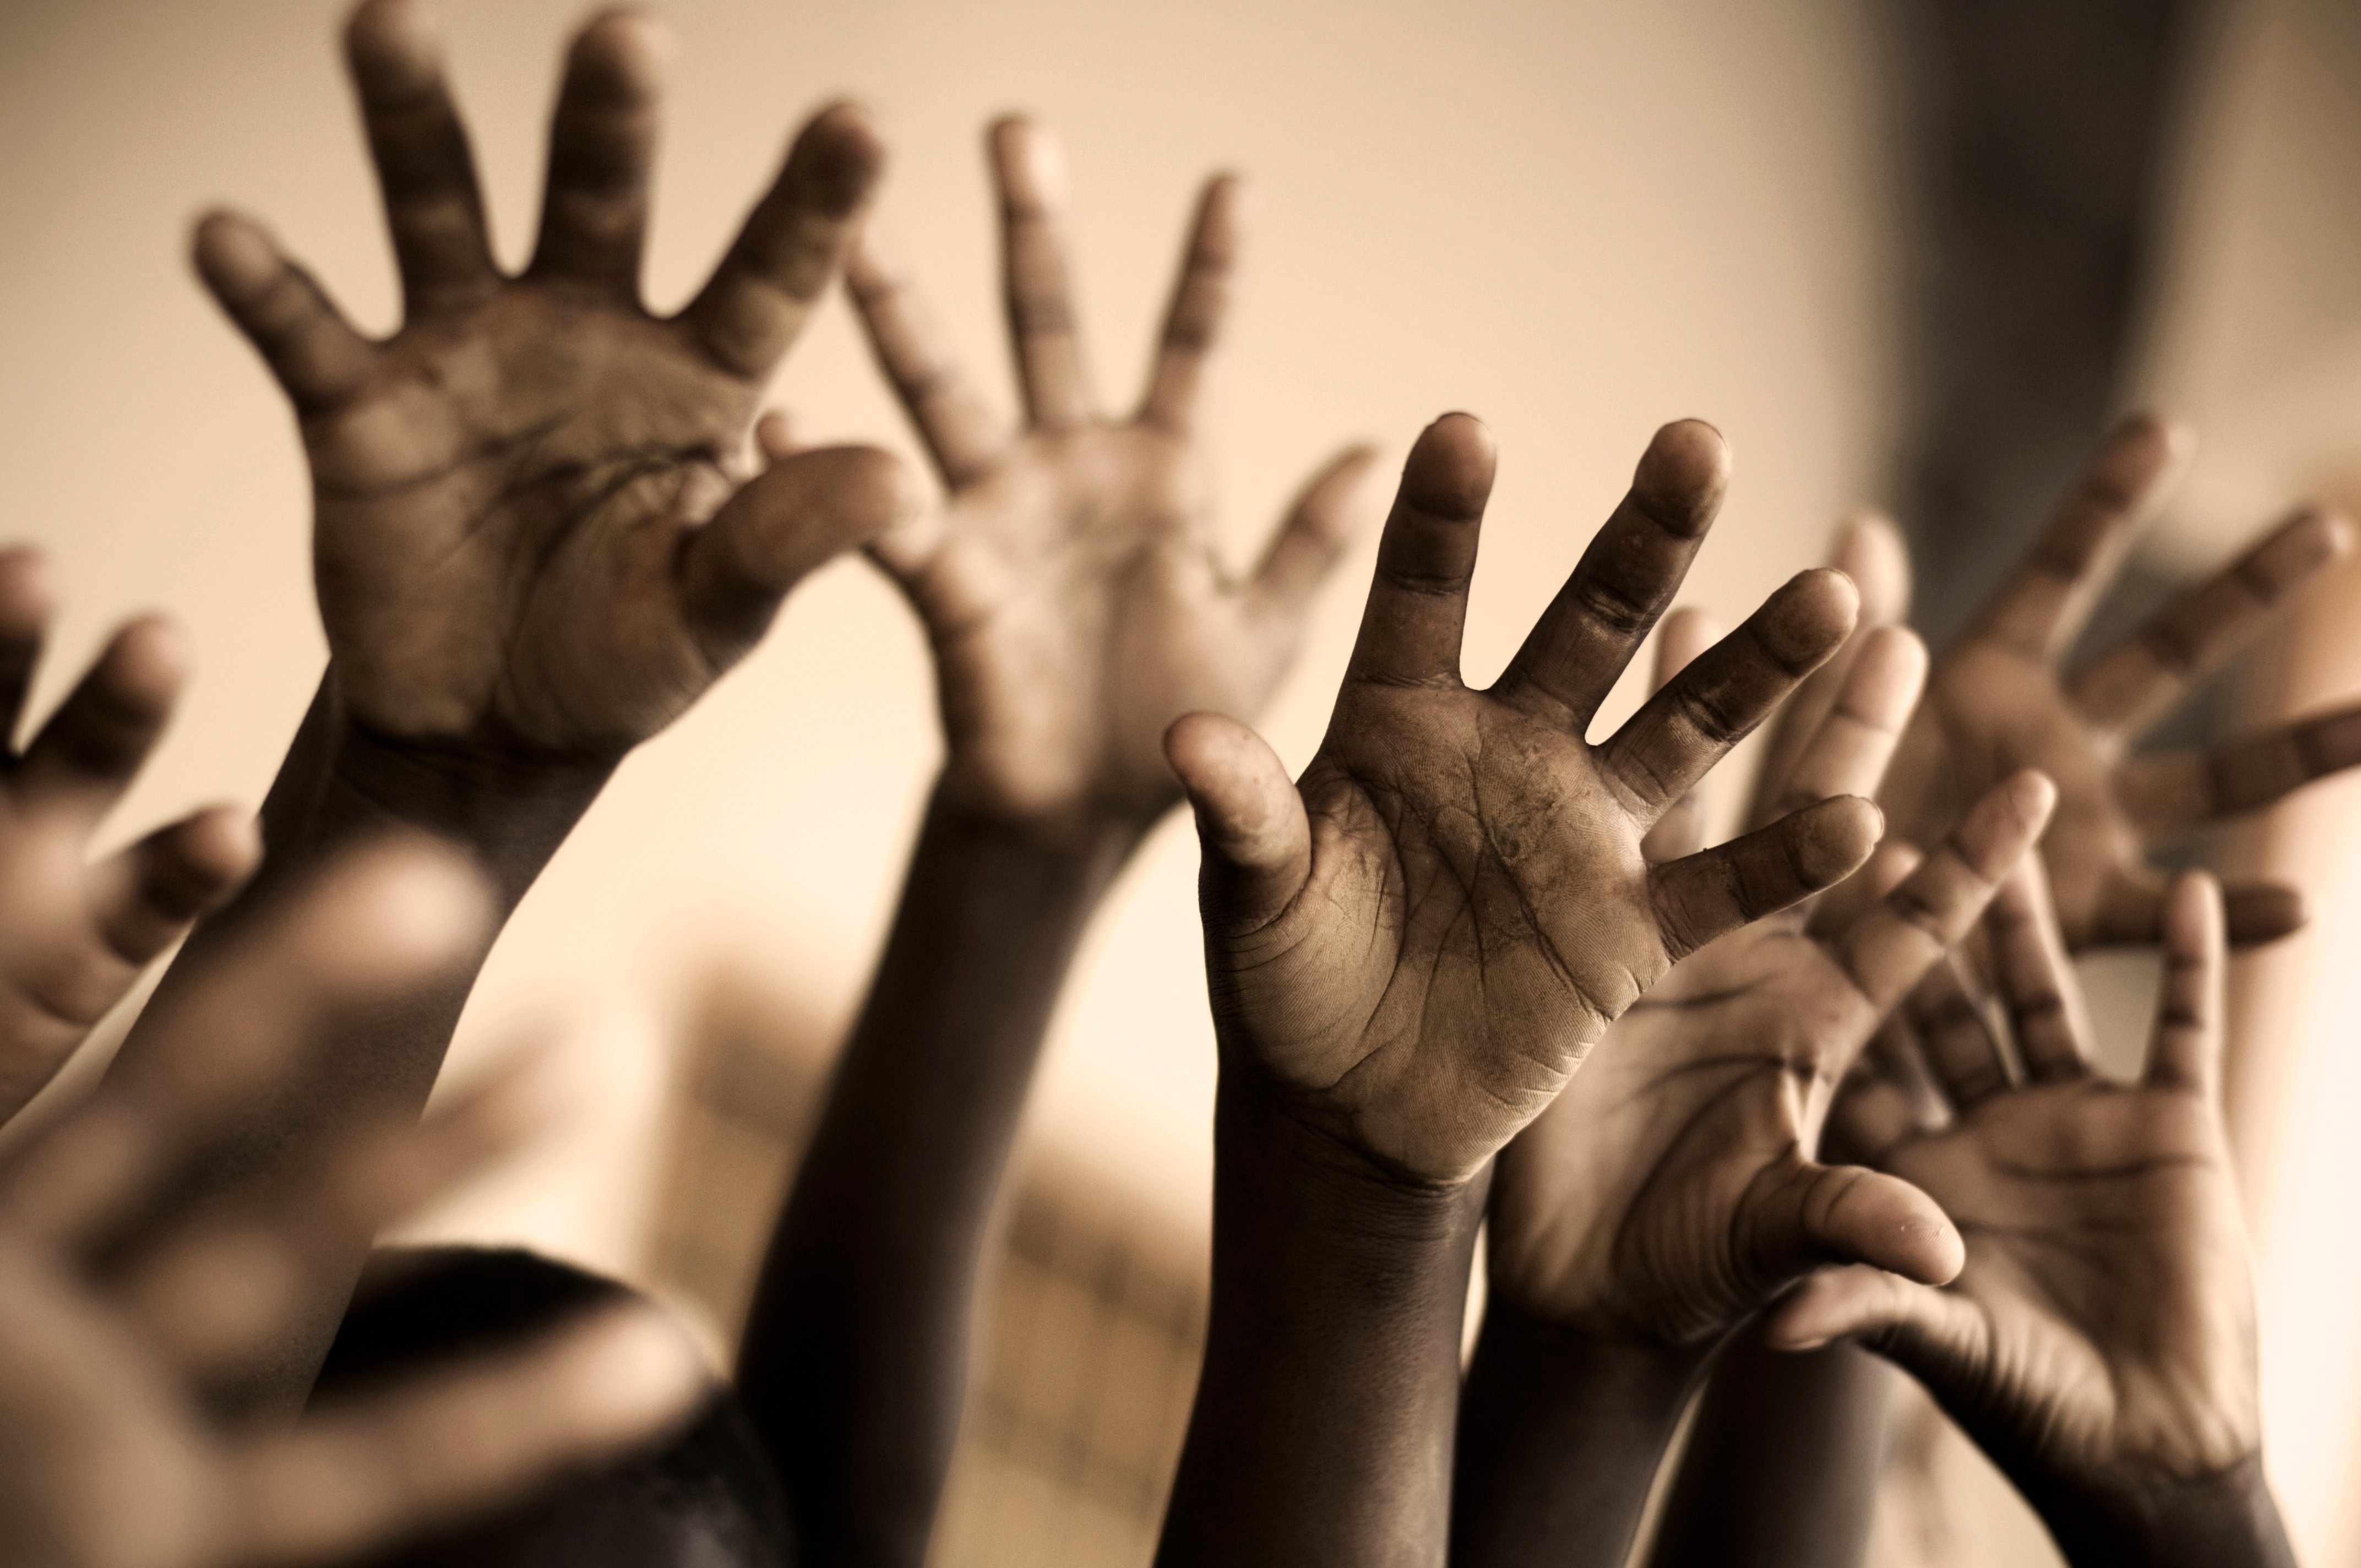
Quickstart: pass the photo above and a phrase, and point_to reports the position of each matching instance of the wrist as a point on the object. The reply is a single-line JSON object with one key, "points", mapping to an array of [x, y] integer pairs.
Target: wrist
{"points": [[345, 781], [1086, 841], [2225, 1519]]}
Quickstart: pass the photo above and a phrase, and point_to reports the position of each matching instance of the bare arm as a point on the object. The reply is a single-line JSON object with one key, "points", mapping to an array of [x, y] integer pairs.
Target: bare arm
{"points": [[1076, 607]]}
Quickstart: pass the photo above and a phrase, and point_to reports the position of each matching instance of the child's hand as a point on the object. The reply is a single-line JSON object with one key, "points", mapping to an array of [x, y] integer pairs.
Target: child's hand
{"points": [[529, 541], [1672, 1190], [1998, 701], [2100, 1342], [74, 934], [1071, 585], [123, 1306], [1414, 950]]}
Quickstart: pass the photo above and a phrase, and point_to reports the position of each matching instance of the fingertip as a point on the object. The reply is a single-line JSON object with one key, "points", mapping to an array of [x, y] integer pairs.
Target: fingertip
{"points": [[1808, 618], [2257, 912], [1449, 471], [843, 149], [2031, 795], [391, 46], [28, 598], [233, 253], [221, 844], [1028, 161], [1684, 474], [146, 662], [2336, 533], [1870, 550], [1832, 839], [626, 48], [2193, 915], [405, 905]]}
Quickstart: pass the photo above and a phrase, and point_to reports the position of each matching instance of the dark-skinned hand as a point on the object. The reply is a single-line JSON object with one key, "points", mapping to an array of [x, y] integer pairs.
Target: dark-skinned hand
{"points": [[1411, 950], [1069, 585], [530, 539]]}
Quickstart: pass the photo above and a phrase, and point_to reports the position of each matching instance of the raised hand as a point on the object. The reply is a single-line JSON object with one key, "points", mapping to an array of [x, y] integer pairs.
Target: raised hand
{"points": [[528, 540], [74, 934], [1415, 949], [1999, 701], [123, 1309], [1672, 1189], [1069, 585], [2099, 1342]]}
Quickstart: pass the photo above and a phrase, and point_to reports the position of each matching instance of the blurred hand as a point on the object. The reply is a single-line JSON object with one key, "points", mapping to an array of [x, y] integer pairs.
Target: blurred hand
{"points": [[1671, 1190], [1998, 701], [74, 934], [2100, 1341], [1069, 585], [1413, 948], [529, 542], [122, 1304]]}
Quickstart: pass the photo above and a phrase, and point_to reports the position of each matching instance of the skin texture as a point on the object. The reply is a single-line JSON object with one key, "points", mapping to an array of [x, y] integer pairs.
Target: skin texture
{"points": [[120, 1306], [80, 932], [1410, 950], [2099, 1342], [1671, 1191], [1076, 607], [530, 542], [2001, 700]]}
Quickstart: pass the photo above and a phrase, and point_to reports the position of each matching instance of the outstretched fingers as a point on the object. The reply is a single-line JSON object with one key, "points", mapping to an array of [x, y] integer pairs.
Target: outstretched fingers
{"points": [[1717, 701], [2037, 987], [1192, 324], [463, 1437], [782, 260], [1848, 751], [1331, 510], [594, 212], [1257, 841], [961, 433], [1681, 637], [1869, 551], [2140, 678], [434, 205], [800, 512], [2185, 1051], [1626, 578], [1888, 948], [1703, 896], [85, 755], [319, 358], [149, 894], [1418, 601], [2172, 793], [2041, 607], [1028, 169]]}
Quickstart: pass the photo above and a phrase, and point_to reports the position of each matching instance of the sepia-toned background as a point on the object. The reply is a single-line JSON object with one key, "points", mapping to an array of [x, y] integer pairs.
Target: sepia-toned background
{"points": [[1911, 254]]}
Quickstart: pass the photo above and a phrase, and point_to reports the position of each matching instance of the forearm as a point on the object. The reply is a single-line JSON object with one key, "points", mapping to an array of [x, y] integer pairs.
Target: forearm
{"points": [[342, 787], [1781, 1464], [1560, 1434], [1324, 1423], [2225, 1521], [854, 1358]]}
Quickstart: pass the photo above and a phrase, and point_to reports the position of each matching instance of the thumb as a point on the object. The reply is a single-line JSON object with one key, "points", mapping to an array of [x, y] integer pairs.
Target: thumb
{"points": [[1251, 821], [1801, 1216], [789, 520], [1937, 1336]]}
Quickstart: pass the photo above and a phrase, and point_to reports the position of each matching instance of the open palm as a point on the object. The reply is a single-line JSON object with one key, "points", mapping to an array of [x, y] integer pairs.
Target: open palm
{"points": [[1071, 584], [1417, 945], [1672, 1189], [2098, 1344], [2000, 701], [528, 532]]}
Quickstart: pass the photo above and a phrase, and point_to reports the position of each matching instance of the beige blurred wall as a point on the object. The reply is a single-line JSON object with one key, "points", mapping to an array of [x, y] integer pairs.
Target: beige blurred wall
{"points": [[1578, 220]]}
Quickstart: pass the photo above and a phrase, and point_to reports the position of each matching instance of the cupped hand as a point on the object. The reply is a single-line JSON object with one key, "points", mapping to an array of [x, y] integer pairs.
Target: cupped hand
{"points": [[530, 537], [75, 934], [1414, 947], [2000, 701], [1069, 585], [124, 1308], [2100, 1341], [1673, 1188]]}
